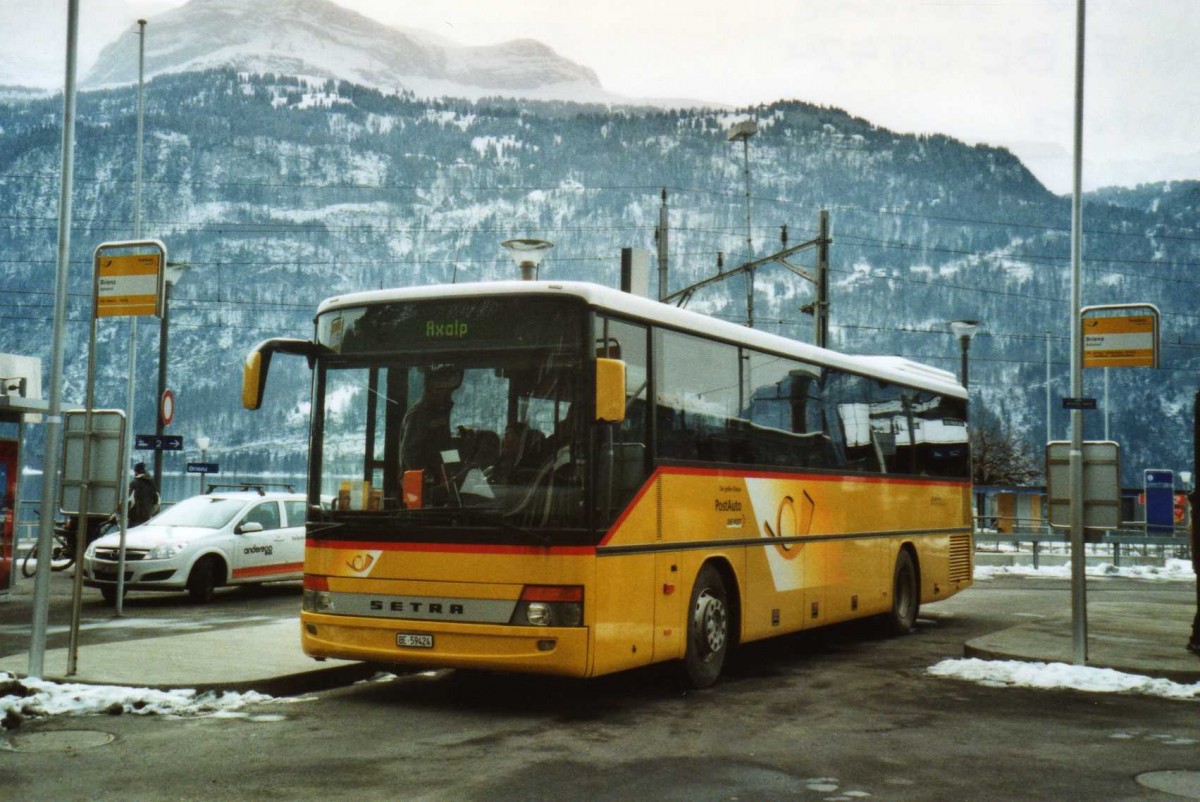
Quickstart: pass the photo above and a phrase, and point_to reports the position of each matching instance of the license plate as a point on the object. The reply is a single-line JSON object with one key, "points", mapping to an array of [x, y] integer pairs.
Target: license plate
{"points": [[414, 641]]}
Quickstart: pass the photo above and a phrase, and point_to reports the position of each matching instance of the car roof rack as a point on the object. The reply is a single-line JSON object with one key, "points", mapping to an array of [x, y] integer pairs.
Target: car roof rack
{"points": [[260, 487]]}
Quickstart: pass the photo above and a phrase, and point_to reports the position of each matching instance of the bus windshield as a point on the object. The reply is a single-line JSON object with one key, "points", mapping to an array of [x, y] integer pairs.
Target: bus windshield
{"points": [[477, 429]]}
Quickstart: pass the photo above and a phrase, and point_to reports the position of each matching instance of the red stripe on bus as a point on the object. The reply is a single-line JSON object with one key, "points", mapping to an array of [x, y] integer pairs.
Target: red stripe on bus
{"points": [[447, 548]]}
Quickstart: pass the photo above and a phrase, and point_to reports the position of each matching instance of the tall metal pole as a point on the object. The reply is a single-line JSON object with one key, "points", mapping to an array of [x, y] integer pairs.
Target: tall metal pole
{"points": [[821, 307], [749, 239], [162, 382], [133, 327], [1049, 408], [54, 422], [965, 343], [1075, 462], [1106, 416], [663, 251]]}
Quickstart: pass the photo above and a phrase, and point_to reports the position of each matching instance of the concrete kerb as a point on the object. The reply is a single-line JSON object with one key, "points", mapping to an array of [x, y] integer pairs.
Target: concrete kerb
{"points": [[266, 658], [1145, 639]]}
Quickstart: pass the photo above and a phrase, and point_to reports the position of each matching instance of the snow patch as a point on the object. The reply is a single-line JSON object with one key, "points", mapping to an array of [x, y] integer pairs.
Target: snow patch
{"points": [[29, 698], [1060, 676]]}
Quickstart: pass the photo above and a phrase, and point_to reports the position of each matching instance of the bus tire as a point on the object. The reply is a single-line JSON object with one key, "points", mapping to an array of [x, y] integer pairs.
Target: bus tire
{"points": [[708, 629], [906, 595], [202, 581]]}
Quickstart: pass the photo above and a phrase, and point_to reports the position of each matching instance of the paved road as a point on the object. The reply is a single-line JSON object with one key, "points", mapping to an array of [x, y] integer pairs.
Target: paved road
{"points": [[145, 614], [836, 715]]}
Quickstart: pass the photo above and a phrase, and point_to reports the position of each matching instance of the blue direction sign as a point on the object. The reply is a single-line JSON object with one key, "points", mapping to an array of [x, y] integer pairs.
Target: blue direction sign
{"points": [[1159, 486], [202, 467], [154, 442]]}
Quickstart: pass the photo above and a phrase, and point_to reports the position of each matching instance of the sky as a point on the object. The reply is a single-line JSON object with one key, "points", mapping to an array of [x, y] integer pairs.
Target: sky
{"points": [[994, 71]]}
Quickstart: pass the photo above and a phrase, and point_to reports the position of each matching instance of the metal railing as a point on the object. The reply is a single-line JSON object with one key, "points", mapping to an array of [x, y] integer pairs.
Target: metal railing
{"points": [[1131, 540]]}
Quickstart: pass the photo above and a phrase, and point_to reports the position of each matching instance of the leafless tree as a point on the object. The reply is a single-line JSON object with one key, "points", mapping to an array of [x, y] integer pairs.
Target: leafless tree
{"points": [[999, 457]]}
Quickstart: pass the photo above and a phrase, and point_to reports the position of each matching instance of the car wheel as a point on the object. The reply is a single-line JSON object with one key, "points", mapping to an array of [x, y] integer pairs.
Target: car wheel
{"points": [[202, 582], [708, 630]]}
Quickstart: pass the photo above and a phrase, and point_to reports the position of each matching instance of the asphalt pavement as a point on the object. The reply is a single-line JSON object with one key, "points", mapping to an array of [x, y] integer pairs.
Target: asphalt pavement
{"points": [[1144, 638]]}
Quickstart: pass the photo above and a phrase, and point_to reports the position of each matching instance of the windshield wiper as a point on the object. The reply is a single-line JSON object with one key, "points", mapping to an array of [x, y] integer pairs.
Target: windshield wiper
{"points": [[539, 538], [443, 515]]}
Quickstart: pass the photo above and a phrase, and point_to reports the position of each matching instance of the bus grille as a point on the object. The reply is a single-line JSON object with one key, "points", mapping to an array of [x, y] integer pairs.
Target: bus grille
{"points": [[960, 558]]}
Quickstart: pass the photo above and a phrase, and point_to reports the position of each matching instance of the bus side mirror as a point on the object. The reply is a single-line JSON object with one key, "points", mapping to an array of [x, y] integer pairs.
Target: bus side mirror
{"points": [[254, 378], [610, 390], [254, 370]]}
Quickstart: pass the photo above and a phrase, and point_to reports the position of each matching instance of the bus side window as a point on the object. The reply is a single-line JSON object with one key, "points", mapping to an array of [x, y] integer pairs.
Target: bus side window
{"points": [[621, 448]]}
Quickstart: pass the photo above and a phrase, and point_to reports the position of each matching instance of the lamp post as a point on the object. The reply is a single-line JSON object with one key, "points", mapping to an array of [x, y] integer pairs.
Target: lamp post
{"points": [[964, 330], [174, 272], [741, 132], [203, 442]]}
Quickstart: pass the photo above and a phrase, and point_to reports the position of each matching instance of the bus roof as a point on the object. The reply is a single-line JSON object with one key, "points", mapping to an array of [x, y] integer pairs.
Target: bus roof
{"points": [[892, 368]]}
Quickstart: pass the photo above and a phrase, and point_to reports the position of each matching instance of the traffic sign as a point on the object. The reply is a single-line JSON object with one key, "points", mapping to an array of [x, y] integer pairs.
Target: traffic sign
{"points": [[203, 467], [166, 407], [128, 284], [154, 442], [1120, 336], [1159, 489]]}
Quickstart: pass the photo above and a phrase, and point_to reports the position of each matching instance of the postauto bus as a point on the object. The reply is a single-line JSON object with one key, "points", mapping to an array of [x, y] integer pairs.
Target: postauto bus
{"points": [[567, 479]]}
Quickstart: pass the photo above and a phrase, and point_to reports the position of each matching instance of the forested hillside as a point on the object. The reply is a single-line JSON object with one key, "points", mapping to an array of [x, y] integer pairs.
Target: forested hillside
{"points": [[279, 193]]}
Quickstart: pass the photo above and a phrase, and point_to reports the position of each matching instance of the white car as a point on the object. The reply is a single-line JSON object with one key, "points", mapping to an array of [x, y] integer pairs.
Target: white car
{"points": [[221, 538]]}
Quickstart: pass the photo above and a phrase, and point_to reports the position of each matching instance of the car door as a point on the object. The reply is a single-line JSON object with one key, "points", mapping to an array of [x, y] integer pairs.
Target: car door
{"points": [[292, 549], [259, 543]]}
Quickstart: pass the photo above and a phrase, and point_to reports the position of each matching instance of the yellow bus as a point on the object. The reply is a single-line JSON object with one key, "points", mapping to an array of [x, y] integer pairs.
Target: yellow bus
{"points": [[563, 478]]}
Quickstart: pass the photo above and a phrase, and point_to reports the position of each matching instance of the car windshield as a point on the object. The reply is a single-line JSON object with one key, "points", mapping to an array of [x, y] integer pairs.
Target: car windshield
{"points": [[205, 512]]}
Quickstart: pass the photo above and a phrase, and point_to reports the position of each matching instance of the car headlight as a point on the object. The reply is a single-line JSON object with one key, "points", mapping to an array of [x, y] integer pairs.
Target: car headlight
{"points": [[165, 551]]}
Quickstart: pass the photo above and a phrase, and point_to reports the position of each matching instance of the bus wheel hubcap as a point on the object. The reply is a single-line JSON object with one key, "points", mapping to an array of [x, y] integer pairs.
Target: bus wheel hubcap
{"points": [[711, 624]]}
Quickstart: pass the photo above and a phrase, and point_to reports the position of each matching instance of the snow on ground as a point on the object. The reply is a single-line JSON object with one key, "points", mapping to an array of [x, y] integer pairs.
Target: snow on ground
{"points": [[1060, 676], [1171, 571], [30, 698]]}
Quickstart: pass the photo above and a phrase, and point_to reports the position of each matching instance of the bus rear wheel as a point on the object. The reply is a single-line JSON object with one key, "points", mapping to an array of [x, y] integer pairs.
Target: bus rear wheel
{"points": [[906, 596], [708, 629]]}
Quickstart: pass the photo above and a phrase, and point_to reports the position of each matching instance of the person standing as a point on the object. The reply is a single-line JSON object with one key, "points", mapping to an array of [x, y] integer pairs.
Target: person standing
{"points": [[425, 430], [143, 496]]}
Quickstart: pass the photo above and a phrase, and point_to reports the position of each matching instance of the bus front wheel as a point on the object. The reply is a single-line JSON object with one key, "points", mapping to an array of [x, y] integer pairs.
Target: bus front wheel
{"points": [[708, 629], [906, 595]]}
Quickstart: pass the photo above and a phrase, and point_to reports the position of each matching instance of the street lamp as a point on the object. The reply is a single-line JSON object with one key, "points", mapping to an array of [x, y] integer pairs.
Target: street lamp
{"points": [[741, 132], [173, 273], [203, 442], [964, 330]]}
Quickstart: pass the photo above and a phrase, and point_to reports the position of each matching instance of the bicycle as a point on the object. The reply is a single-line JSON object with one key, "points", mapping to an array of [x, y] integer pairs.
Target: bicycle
{"points": [[62, 553], [62, 547]]}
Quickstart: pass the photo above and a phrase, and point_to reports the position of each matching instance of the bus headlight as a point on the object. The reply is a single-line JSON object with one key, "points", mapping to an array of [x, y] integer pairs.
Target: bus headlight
{"points": [[549, 606], [316, 597], [316, 601]]}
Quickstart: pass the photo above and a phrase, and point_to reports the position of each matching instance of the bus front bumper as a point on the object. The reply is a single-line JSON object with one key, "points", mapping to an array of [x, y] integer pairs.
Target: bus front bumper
{"points": [[424, 644]]}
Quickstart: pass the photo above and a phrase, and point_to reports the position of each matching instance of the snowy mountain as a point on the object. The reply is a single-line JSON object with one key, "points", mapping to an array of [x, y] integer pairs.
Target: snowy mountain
{"points": [[281, 191], [318, 38], [35, 40]]}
